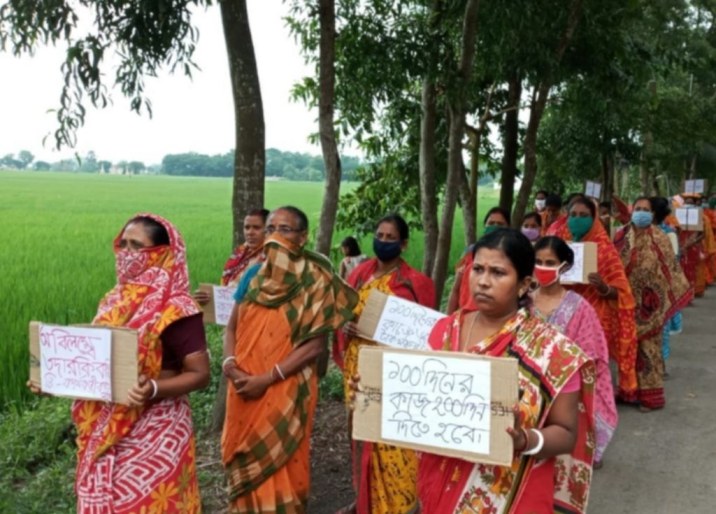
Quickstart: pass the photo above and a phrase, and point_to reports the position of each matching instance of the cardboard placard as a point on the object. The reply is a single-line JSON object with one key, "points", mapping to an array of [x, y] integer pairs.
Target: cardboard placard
{"points": [[123, 360], [696, 186], [447, 403], [593, 189], [397, 322], [690, 218], [585, 262], [221, 302]]}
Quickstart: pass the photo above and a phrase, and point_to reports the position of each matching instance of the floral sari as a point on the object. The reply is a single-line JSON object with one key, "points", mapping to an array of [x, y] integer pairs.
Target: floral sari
{"points": [[383, 475], [576, 319], [546, 362], [240, 259], [294, 297], [616, 316], [140, 459], [660, 289]]}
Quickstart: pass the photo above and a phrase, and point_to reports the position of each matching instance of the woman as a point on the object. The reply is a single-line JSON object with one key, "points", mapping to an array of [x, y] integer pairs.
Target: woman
{"points": [[141, 457], [244, 255], [352, 256], [660, 208], [277, 330], [553, 435], [385, 475], [692, 249], [608, 290], [532, 226], [575, 318], [660, 290], [496, 218]]}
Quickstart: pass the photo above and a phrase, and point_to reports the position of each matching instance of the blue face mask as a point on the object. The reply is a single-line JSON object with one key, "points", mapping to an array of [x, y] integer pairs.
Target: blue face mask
{"points": [[386, 251], [642, 219]]}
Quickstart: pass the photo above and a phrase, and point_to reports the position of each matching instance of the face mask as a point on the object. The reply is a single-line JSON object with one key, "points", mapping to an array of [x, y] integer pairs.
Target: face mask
{"points": [[130, 264], [547, 276], [386, 251], [489, 229], [579, 226], [539, 204], [642, 219], [531, 233]]}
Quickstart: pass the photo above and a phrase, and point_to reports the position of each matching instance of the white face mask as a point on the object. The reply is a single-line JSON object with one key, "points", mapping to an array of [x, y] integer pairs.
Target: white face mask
{"points": [[539, 204]]}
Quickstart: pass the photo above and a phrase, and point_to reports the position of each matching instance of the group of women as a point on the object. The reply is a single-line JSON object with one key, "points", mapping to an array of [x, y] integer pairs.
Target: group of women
{"points": [[507, 300]]}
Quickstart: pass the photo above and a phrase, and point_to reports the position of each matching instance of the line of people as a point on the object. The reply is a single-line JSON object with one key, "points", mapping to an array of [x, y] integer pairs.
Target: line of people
{"points": [[507, 301]]}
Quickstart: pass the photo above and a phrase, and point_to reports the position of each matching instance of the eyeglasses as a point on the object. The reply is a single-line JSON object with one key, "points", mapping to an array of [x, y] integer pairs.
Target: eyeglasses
{"points": [[281, 229]]}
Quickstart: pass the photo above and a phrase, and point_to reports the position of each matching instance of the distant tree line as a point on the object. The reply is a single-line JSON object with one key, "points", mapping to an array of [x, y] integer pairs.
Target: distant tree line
{"points": [[25, 160], [286, 165]]}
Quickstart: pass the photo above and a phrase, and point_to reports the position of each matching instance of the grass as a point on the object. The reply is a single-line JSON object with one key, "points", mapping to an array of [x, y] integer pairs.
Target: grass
{"points": [[56, 262]]}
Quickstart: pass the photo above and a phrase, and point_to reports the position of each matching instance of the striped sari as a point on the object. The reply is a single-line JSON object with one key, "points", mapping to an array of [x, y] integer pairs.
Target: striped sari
{"points": [[294, 297]]}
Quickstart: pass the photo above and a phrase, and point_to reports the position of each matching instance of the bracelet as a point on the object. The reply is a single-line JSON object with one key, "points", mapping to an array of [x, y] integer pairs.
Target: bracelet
{"points": [[223, 364], [155, 388], [280, 373], [540, 443]]}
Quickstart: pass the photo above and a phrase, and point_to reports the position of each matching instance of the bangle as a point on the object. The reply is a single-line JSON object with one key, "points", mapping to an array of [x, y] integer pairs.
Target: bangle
{"points": [[540, 443], [280, 373], [227, 360], [609, 289], [155, 388]]}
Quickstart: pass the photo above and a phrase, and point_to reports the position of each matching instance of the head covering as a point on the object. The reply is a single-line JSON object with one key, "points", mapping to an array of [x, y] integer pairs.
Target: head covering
{"points": [[152, 291]]}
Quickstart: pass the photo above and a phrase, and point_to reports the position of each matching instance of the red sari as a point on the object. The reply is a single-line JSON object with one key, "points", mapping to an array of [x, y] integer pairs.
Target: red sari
{"points": [[140, 459], [616, 316], [547, 361], [238, 262]]}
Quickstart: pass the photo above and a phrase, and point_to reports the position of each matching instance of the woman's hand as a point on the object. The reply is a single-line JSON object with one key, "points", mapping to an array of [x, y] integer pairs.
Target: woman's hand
{"points": [[252, 387], [596, 280], [34, 389], [350, 329], [201, 297], [354, 387], [518, 432], [141, 392]]}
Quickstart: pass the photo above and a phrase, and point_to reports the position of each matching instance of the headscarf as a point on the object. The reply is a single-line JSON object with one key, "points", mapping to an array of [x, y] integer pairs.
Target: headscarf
{"points": [[238, 262], [152, 291]]}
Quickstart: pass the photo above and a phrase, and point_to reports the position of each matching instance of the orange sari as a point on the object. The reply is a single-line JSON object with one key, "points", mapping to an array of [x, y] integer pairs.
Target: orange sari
{"points": [[616, 316], [294, 297], [711, 260]]}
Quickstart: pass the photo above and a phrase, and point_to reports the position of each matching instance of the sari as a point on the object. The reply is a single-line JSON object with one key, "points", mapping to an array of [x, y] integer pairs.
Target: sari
{"points": [[711, 261], [615, 315], [708, 250], [660, 290], [140, 459], [384, 476], [576, 319], [238, 262], [675, 323], [547, 361], [464, 265], [294, 297]]}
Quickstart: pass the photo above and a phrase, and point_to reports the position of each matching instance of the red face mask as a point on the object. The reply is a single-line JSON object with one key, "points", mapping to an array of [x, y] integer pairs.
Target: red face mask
{"points": [[546, 276]]}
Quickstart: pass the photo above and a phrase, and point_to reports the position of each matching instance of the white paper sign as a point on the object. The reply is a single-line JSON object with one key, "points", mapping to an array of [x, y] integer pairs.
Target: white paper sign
{"points": [[699, 186], [76, 362], [593, 189], [689, 186], [574, 274], [405, 324], [436, 401], [682, 216], [223, 303], [688, 216]]}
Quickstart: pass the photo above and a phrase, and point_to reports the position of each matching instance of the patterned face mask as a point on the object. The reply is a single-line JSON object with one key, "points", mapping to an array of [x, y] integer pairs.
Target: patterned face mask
{"points": [[131, 263]]}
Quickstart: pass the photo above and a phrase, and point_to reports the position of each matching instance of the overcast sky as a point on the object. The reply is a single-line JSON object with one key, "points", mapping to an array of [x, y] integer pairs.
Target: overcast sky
{"points": [[189, 115]]}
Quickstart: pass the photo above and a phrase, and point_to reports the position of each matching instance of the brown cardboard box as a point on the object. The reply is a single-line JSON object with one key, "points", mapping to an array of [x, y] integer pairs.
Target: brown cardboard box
{"points": [[585, 262]]}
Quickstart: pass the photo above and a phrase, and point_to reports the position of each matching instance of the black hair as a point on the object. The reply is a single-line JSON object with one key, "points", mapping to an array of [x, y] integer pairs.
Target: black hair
{"points": [[154, 230], [661, 208], [497, 210], [399, 222], [514, 244], [574, 196], [298, 214], [542, 192], [351, 243], [640, 198], [553, 200], [534, 215], [582, 200], [561, 249], [606, 205], [262, 213]]}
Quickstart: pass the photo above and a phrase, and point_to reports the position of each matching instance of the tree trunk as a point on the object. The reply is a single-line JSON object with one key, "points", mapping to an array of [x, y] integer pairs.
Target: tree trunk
{"points": [[249, 158], [329, 145], [543, 89], [428, 183], [510, 143], [456, 111], [468, 189]]}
